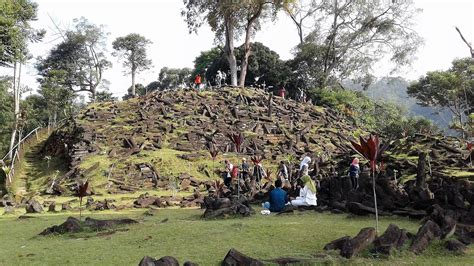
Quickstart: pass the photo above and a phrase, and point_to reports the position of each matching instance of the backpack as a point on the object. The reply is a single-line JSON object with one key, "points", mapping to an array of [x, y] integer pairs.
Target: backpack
{"points": [[235, 171]]}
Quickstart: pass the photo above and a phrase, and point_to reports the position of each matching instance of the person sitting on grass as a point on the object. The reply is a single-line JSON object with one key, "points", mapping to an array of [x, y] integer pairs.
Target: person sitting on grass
{"points": [[307, 193], [278, 198]]}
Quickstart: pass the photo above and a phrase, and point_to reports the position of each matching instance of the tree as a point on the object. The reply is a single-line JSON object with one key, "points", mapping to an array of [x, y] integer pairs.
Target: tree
{"points": [[79, 61], [6, 114], [173, 77], [229, 20], [264, 65], [140, 90], [350, 36], [15, 30], [105, 96], [452, 89], [15, 33], [132, 50], [302, 11]]}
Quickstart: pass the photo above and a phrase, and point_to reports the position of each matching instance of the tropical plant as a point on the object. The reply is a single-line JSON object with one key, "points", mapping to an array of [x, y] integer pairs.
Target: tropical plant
{"points": [[219, 187], [81, 193], [256, 159], [372, 150], [237, 139]]}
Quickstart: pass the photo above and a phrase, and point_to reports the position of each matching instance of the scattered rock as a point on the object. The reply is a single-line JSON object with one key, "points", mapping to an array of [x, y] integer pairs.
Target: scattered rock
{"points": [[393, 237], [352, 247], [71, 225], [427, 233], [234, 257], [33, 206], [164, 261], [455, 246]]}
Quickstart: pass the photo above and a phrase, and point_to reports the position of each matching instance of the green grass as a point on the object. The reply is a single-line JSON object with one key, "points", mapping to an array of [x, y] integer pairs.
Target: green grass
{"points": [[185, 236]]}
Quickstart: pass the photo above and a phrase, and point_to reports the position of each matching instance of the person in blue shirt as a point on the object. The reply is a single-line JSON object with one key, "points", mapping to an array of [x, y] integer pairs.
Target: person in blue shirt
{"points": [[278, 198]]}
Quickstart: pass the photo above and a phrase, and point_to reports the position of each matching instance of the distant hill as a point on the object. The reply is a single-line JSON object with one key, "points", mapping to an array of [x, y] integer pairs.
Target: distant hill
{"points": [[394, 90]]}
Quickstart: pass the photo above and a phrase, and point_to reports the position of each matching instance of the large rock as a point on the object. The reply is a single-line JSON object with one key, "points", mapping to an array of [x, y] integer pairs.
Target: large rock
{"points": [[427, 233], [71, 225], [393, 237], [352, 247], [33, 206], [337, 244], [235, 258], [163, 261], [455, 246]]}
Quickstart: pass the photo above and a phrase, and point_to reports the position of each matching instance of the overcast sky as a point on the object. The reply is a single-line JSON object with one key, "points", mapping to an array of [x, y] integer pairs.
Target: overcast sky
{"points": [[161, 22]]}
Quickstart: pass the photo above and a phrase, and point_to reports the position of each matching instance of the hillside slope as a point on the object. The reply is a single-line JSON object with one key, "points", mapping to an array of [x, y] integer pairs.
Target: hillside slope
{"points": [[121, 146]]}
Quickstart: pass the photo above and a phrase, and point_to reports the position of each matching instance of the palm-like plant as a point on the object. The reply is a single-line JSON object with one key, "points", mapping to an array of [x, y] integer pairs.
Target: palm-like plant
{"points": [[372, 150], [81, 193], [237, 139]]}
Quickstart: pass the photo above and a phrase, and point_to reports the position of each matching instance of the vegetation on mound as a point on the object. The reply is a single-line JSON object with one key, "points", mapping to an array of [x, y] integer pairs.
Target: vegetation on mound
{"points": [[182, 234]]}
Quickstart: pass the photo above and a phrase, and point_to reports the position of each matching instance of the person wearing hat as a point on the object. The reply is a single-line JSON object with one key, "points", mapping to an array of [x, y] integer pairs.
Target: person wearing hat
{"points": [[307, 193]]}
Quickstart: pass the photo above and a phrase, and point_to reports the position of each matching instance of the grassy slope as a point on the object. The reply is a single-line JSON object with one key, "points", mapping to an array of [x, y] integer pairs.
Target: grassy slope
{"points": [[187, 237]]}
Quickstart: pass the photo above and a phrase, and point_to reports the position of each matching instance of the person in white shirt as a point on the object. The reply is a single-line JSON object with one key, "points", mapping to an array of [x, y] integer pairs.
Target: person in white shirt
{"points": [[304, 166], [307, 193]]}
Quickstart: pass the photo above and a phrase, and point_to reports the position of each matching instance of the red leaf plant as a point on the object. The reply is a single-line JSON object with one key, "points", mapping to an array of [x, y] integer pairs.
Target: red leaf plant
{"points": [[237, 139], [372, 150], [81, 192], [256, 159], [213, 151]]}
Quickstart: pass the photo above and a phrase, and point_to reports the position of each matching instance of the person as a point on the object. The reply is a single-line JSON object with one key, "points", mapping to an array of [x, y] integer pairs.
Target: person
{"points": [[197, 81], [258, 172], [307, 193], [354, 171], [219, 78], [228, 173], [282, 91], [244, 173], [283, 171], [304, 166], [278, 198]]}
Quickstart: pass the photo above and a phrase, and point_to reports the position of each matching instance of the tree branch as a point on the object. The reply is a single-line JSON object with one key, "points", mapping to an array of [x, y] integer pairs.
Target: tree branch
{"points": [[465, 41]]}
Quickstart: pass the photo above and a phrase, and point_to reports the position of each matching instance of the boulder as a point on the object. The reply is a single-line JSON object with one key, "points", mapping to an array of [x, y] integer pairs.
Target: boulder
{"points": [[427, 233], [66, 206], [9, 210], [352, 247], [455, 246], [71, 225], [393, 237], [234, 258], [337, 244], [52, 207], [33, 206]]}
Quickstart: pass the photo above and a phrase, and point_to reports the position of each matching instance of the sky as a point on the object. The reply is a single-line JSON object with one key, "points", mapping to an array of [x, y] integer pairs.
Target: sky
{"points": [[173, 46]]}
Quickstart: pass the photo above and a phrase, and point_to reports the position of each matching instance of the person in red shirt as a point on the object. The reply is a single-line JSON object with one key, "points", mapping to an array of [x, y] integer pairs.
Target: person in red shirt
{"points": [[197, 81], [282, 92]]}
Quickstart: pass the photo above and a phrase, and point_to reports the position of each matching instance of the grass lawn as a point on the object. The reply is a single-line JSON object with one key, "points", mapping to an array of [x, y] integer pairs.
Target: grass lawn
{"points": [[182, 234]]}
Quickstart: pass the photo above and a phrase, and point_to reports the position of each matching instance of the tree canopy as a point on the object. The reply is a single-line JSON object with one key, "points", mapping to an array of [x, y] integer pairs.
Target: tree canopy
{"points": [[132, 50], [79, 61], [452, 89]]}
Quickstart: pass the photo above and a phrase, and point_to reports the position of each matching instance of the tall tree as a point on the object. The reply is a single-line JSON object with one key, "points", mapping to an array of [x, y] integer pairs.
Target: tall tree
{"points": [[170, 78], [79, 61], [132, 50], [15, 33], [452, 89], [350, 36], [230, 20], [302, 11]]}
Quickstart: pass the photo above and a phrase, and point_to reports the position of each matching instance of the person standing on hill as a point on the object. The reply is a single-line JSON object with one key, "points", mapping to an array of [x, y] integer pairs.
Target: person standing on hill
{"points": [[245, 169], [354, 171], [197, 81], [228, 173], [283, 171], [282, 92], [304, 166]]}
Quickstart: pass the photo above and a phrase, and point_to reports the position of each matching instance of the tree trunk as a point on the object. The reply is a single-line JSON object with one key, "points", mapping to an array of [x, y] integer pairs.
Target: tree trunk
{"points": [[16, 100], [133, 83], [229, 49], [247, 47]]}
